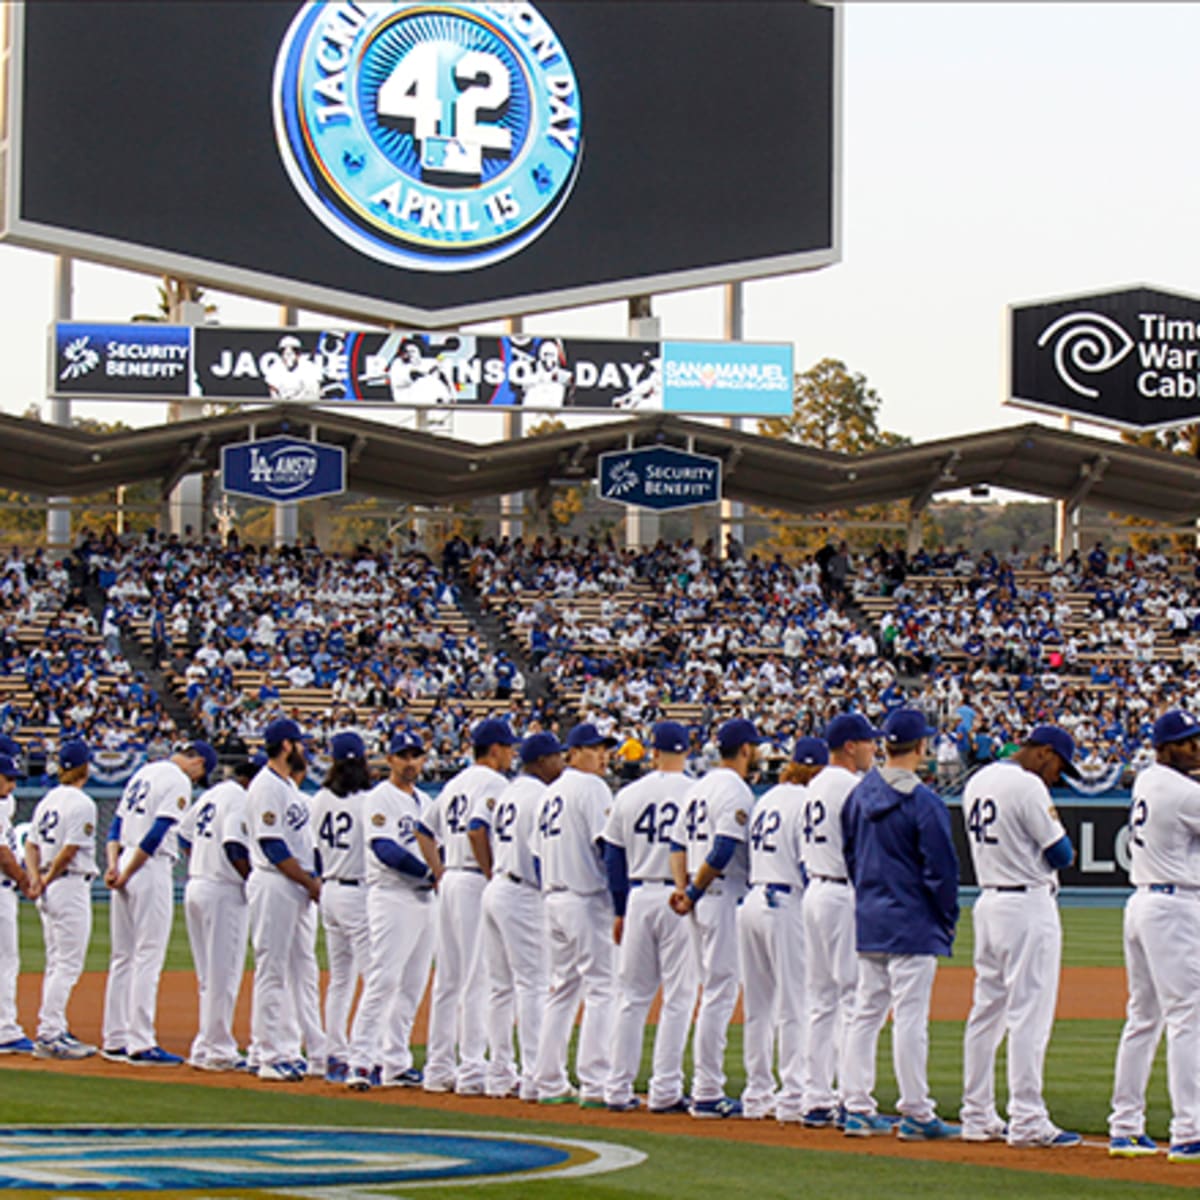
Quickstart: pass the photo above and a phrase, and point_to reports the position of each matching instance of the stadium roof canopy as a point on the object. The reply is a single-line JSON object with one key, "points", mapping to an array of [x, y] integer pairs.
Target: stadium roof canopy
{"points": [[423, 468]]}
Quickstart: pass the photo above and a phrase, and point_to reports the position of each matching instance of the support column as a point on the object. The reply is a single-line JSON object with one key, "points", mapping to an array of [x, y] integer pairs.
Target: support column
{"points": [[511, 525], [58, 513], [733, 512], [186, 502], [1061, 515], [642, 526], [287, 516]]}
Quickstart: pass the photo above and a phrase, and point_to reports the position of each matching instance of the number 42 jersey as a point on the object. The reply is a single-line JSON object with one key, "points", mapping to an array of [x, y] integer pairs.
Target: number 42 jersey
{"points": [[642, 822]]}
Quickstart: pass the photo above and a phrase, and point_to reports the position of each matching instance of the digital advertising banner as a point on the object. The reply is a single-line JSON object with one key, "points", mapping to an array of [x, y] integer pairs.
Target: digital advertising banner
{"points": [[283, 469], [537, 373]]}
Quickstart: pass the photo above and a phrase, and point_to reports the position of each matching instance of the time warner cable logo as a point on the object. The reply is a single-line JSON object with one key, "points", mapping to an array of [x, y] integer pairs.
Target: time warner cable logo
{"points": [[432, 136]]}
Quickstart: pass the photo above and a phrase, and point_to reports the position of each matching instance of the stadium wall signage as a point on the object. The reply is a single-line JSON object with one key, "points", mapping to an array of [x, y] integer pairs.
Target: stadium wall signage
{"points": [[428, 162], [283, 469], [1127, 358], [357, 366], [659, 478]]}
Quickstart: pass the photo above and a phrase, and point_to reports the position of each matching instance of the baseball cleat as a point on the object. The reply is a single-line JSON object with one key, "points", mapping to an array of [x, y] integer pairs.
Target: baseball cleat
{"points": [[512, 1093], [1050, 1139], [933, 1130], [439, 1086], [359, 1080], [570, 1096], [819, 1118], [280, 1072], [1140, 1146], [985, 1133], [624, 1106], [21, 1045], [412, 1078], [592, 1102], [336, 1071], [861, 1124], [469, 1089], [675, 1108], [156, 1056], [719, 1109], [1184, 1152], [64, 1046]]}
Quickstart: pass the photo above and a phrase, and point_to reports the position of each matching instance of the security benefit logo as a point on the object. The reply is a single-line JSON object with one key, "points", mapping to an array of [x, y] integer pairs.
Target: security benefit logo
{"points": [[430, 136], [120, 360]]}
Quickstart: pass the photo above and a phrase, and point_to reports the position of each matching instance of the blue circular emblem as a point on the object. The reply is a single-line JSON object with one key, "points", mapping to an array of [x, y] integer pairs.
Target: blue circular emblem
{"points": [[432, 136]]}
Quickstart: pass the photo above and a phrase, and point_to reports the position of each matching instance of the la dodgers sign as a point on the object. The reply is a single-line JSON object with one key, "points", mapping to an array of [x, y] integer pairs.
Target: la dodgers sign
{"points": [[659, 478], [283, 469]]}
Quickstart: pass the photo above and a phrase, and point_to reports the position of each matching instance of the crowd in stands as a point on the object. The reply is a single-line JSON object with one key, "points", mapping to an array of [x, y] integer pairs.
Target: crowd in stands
{"points": [[989, 645]]}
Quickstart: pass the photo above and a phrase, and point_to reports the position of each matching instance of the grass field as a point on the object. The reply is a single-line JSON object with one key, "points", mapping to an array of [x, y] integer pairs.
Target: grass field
{"points": [[1091, 938]]}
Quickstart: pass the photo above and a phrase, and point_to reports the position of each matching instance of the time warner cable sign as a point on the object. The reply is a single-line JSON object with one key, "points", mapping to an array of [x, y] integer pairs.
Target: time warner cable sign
{"points": [[283, 469], [659, 477], [1129, 358]]}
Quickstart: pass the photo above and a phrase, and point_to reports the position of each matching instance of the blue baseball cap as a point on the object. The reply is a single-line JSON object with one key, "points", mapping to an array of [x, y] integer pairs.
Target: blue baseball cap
{"points": [[1060, 741], [347, 745], [669, 737], [258, 760], [737, 733], [282, 730], [586, 734], [1174, 726], [205, 751], [850, 727], [405, 741], [540, 745], [9, 768], [10, 746], [810, 752], [905, 725], [74, 754], [492, 731]]}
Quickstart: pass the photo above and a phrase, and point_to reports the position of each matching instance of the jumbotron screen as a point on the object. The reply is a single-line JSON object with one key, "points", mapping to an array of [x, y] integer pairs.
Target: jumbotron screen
{"points": [[428, 160]]}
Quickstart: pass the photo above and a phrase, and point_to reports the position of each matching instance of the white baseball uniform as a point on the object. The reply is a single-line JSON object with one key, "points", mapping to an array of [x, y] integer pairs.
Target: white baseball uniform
{"points": [[514, 938], [10, 956], [770, 928], [214, 906], [460, 983], [1162, 953], [718, 805], [64, 816], [400, 913], [570, 820], [140, 914], [657, 948], [277, 907], [1011, 821], [830, 958], [338, 825]]}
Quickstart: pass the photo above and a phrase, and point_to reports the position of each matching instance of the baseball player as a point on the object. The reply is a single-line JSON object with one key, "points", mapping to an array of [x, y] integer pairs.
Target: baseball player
{"points": [[567, 831], [337, 819], [290, 377], [770, 928], [460, 975], [216, 835], [514, 942], [141, 852], [60, 858], [900, 855], [1162, 945], [400, 909], [830, 961], [712, 838], [278, 892], [656, 948], [1017, 844], [12, 880]]}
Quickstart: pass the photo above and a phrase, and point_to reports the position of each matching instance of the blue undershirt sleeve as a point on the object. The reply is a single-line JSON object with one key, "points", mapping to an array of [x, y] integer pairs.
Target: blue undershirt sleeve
{"points": [[235, 852], [276, 849], [157, 832], [477, 823], [1061, 854], [394, 855], [185, 845], [114, 830], [722, 851], [617, 869]]}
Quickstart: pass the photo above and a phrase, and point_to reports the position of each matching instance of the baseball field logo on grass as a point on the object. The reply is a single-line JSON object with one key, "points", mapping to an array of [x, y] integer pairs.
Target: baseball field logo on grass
{"points": [[264, 1160], [433, 136]]}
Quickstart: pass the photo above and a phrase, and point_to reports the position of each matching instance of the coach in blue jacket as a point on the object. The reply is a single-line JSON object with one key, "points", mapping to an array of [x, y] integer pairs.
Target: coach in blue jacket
{"points": [[901, 861]]}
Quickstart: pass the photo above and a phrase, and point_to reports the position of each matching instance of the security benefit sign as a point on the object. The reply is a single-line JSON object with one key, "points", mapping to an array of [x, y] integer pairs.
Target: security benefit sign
{"points": [[283, 469], [660, 478], [1127, 358], [124, 360]]}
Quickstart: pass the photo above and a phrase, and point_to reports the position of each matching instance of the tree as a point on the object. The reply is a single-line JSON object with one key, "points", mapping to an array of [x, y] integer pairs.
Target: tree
{"points": [[553, 507], [1182, 439]]}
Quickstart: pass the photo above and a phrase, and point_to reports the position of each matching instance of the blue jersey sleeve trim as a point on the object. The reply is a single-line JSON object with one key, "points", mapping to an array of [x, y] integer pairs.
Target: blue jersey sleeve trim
{"points": [[722, 852], [393, 855], [276, 849], [1061, 854], [617, 869], [155, 834]]}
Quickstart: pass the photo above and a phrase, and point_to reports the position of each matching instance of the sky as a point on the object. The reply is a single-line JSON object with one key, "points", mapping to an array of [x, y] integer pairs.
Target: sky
{"points": [[993, 153]]}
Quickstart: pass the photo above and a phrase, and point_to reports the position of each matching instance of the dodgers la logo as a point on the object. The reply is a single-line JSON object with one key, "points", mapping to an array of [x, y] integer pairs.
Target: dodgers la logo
{"points": [[431, 136]]}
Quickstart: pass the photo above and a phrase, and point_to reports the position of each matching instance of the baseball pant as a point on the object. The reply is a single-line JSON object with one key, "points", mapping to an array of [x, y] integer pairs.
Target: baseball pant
{"points": [[277, 907], [460, 987], [10, 965], [770, 927], [657, 946], [217, 924], [1162, 965], [904, 983], [348, 946], [302, 1000], [581, 967], [831, 974], [139, 918], [514, 952], [66, 911], [715, 916], [401, 927], [1018, 947]]}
